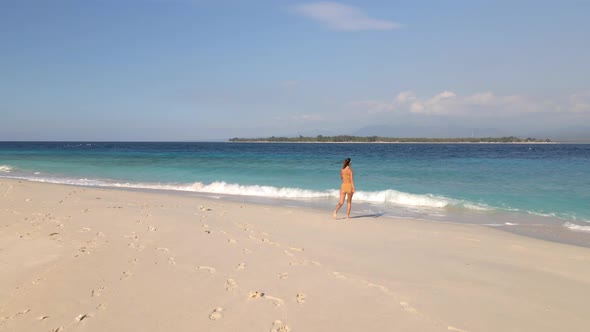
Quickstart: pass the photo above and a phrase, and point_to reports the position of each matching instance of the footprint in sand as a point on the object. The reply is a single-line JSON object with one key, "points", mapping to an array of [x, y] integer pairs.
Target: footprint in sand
{"points": [[297, 249], [279, 326], [408, 307], [58, 329], [152, 229], [216, 314], [241, 266], [38, 280], [246, 251], [288, 253], [126, 275], [171, 261], [265, 240], [162, 249], [204, 208], [231, 241], [300, 298], [338, 275], [43, 317], [101, 306], [208, 268], [82, 317], [26, 311], [138, 247], [451, 328], [230, 285], [132, 236], [84, 249], [97, 292], [275, 300], [255, 294], [283, 275]]}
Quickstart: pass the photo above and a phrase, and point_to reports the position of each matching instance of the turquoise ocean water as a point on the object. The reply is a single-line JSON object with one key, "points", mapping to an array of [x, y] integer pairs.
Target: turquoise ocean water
{"points": [[495, 184]]}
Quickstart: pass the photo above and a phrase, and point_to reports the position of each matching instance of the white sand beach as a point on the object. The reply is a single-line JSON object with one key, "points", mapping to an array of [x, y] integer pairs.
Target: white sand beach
{"points": [[90, 259]]}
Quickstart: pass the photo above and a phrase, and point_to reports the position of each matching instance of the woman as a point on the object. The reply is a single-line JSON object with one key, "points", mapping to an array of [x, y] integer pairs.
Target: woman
{"points": [[347, 187]]}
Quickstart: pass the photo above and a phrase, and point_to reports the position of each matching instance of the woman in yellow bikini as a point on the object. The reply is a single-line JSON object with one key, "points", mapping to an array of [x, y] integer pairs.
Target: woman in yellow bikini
{"points": [[347, 188]]}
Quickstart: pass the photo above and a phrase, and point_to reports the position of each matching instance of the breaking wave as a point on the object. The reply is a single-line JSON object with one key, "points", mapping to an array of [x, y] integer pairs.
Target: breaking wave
{"points": [[578, 228], [389, 196]]}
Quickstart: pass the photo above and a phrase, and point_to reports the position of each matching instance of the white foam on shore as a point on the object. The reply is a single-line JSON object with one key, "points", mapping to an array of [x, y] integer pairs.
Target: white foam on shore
{"points": [[477, 207], [257, 190], [501, 225], [402, 198], [419, 203], [578, 228], [379, 197], [6, 168]]}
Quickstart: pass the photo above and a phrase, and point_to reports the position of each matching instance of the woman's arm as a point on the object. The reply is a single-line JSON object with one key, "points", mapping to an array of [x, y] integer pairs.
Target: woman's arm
{"points": [[352, 179]]}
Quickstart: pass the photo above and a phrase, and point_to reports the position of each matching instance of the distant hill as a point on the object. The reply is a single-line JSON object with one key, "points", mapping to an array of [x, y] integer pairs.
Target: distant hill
{"points": [[381, 139], [568, 134], [431, 131]]}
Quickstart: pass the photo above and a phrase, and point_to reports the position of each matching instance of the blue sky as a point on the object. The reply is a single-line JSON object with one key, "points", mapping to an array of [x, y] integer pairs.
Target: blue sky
{"points": [[210, 70]]}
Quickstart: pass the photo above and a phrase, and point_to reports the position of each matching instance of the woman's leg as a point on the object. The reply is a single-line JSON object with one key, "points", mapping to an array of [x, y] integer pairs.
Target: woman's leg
{"points": [[349, 205], [340, 203]]}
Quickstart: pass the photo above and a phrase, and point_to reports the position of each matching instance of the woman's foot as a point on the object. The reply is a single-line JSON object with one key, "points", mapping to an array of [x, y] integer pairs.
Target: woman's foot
{"points": [[335, 216]]}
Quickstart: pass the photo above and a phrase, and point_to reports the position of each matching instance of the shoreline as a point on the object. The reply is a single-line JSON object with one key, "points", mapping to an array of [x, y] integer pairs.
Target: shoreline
{"points": [[227, 141], [108, 259], [287, 142], [545, 230]]}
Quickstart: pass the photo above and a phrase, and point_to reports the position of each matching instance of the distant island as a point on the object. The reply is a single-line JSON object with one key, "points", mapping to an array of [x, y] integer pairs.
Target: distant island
{"points": [[381, 139]]}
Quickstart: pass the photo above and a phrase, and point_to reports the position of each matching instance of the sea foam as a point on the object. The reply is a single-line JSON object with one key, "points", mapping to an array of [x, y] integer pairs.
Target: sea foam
{"points": [[390, 196], [5, 168], [575, 227], [402, 198], [258, 190]]}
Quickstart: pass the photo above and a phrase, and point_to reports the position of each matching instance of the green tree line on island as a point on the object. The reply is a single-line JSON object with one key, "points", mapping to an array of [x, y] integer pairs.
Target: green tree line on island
{"points": [[382, 139]]}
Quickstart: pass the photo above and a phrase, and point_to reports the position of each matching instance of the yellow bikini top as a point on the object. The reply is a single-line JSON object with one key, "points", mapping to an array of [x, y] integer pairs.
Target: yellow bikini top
{"points": [[346, 177]]}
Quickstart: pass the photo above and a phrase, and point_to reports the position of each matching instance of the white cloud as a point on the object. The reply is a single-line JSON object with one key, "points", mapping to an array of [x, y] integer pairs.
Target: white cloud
{"points": [[478, 104], [338, 16]]}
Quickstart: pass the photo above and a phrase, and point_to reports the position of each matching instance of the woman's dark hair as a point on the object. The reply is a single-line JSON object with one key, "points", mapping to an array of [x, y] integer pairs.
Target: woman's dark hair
{"points": [[345, 163]]}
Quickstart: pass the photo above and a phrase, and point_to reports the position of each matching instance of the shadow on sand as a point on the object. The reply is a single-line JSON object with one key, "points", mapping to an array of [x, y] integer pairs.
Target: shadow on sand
{"points": [[372, 215]]}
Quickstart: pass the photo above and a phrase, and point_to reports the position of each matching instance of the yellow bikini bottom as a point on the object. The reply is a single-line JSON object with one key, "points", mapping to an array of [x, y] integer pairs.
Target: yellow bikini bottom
{"points": [[346, 188]]}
